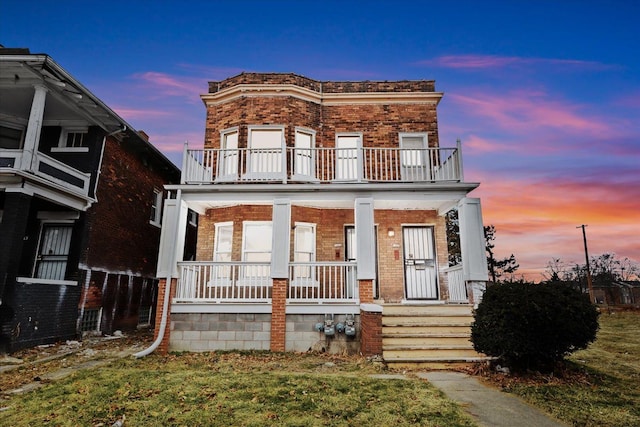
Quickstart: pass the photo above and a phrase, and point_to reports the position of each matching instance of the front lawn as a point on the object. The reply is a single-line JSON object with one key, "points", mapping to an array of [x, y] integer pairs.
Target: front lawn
{"points": [[229, 389]]}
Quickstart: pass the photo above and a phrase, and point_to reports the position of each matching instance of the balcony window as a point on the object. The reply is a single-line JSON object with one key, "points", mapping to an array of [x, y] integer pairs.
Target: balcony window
{"points": [[304, 250], [223, 241], [73, 139], [266, 149], [347, 162], [414, 158], [228, 159], [11, 137], [304, 163], [256, 248]]}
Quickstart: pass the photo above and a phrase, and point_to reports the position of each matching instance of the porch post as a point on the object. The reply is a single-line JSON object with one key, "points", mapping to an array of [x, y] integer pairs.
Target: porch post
{"points": [[281, 233], [473, 248], [365, 242], [34, 127]]}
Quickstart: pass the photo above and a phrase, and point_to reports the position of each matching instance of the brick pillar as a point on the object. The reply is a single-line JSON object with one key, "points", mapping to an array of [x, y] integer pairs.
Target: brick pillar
{"points": [[370, 329], [164, 345], [366, 291], [278, 314]]}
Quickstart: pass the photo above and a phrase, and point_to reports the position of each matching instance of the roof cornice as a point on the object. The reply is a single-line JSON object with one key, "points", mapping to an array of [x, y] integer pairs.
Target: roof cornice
{"points": [[342, 98]]}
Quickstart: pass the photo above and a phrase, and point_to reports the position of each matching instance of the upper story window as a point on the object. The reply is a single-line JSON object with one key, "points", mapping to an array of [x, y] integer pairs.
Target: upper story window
{"points": [[414, 156], [304, 160], [11, 137], [73, 139], [156, 208], [348, 164], [266, 151], [228, 158]]}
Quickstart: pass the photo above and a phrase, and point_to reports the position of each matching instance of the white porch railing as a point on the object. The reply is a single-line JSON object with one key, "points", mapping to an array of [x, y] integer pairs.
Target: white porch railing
{"points": [[223, 282], [457, 286], [309, 282], [323, 282], [322, 165]]}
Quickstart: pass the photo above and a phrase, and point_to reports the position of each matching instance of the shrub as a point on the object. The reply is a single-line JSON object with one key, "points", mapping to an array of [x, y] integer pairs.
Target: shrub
{"points": [[532, 326]]}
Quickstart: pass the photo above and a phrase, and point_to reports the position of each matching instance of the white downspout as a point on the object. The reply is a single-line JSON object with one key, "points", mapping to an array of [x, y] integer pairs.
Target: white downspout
{"points": [[167, 291]]}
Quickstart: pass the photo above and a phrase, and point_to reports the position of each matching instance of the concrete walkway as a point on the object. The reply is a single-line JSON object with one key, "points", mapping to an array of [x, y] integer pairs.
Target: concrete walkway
{"points": [[489, 407]]}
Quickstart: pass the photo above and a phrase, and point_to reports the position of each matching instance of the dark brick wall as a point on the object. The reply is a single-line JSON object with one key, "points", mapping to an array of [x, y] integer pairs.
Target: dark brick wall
{"points": [[119, 236]]}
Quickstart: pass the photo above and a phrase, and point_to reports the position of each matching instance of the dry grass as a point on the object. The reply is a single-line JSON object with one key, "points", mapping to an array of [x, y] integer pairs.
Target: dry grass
{"points": [[597, 387], [237, 388]]}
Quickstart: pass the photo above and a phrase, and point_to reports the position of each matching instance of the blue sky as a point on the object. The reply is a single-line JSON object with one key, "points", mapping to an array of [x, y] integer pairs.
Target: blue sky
{"points": [[545, 95]]}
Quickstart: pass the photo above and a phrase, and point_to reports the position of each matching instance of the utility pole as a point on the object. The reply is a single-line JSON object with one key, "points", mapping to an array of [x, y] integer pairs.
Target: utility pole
{"points": [[586, 255]]}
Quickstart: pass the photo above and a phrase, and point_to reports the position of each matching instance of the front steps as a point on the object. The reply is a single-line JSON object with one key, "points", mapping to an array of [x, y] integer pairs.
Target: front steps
{"points": [[433, 336]]}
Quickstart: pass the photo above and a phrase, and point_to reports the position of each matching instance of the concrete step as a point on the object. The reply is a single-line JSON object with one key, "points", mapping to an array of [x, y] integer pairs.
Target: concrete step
{"points": [[426, 341], [418, 353], [425, 330], [456, 320], [427, 310]]}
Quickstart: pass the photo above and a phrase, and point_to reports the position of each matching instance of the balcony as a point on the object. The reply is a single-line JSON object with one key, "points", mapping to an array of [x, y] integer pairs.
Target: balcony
{"points": [[46, 168], [321, 165]]}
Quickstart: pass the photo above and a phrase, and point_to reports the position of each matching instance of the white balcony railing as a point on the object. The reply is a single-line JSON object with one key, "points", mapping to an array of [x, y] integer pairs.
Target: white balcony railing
{"points": [[322, 165], [244, 282]]}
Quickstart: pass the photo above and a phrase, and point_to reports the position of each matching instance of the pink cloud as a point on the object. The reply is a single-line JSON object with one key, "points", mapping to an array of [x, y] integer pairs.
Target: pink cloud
{"points": [[495, 61], [138, 114], [526, 112], [168, 85], [478, 145]]}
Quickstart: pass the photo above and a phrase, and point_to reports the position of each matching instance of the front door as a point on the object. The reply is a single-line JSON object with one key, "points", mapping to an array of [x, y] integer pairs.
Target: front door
{"points": [[419, 263]]}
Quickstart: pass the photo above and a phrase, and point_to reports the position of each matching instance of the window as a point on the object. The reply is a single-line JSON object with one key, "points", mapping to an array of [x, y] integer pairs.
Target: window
{"points": [[156, 208], [304, 166], [90, 321], [228, 160], [223, 241], [73, 139], [414, 156], [256, 245], [144, 316], [11, 137], [347, 147], [304, 250], [266, 148], [53, 251]]}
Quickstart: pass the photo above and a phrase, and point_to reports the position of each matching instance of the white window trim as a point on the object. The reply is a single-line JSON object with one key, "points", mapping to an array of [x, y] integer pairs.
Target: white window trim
{"points": [[221, 276], [307, 281], [359, 160], [62, 142], [258, 280], [311, 177], [218, 226], [158, 197], [249, 174], [221, 174]]}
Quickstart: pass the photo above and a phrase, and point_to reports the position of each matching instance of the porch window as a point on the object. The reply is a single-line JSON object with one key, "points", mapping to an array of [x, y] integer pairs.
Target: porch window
{"points": [[228, 158], [53, 251], [414, 158], [256, 250], [11, 137], [347, 147], [266, 148], [304, 164], [223, 241], [304, 250]]}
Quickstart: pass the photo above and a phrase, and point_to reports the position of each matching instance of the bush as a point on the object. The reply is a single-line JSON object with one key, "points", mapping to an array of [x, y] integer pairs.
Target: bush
{"points": [[532, 326]]}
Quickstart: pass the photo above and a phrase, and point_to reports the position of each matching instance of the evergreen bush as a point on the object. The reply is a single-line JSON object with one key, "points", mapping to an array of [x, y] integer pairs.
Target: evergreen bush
{"points": [[532, 326]]}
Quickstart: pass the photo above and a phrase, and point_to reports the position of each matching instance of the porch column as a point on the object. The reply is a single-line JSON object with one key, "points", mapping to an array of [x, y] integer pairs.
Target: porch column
{"points": [[365, 242], [34, 127], [172, 237], [473, 248], [281, 232]]}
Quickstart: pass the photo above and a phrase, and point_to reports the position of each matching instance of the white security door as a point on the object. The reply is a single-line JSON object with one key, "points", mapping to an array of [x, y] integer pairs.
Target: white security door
{"points": [[53, 254], [419, 263]]}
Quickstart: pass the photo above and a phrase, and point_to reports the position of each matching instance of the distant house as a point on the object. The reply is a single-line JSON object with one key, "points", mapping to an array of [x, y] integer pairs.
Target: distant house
{"points": [[322, 211], [81, 196], [617, 293]]}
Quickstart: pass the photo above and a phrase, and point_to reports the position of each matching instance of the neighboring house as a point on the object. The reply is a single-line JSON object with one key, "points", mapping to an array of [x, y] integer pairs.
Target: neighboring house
{"points": [[321, 223], [617, 293], [81, 194]]}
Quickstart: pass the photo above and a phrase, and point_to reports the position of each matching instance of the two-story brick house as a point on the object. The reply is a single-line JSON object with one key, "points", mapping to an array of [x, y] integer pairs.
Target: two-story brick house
{"points": [[81, 195], [322, 222]]}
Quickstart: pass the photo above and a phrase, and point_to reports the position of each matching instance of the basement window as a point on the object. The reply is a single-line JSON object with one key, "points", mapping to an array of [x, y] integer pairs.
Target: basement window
{"points": [[90, 321], [144, 317]]}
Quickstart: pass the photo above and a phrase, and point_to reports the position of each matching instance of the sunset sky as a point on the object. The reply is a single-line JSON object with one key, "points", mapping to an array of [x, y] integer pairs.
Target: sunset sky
{"points": [[544, 95]]}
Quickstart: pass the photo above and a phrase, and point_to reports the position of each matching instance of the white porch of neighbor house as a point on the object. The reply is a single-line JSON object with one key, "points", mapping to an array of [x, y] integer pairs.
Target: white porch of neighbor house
{"points": [[319, 289]]}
